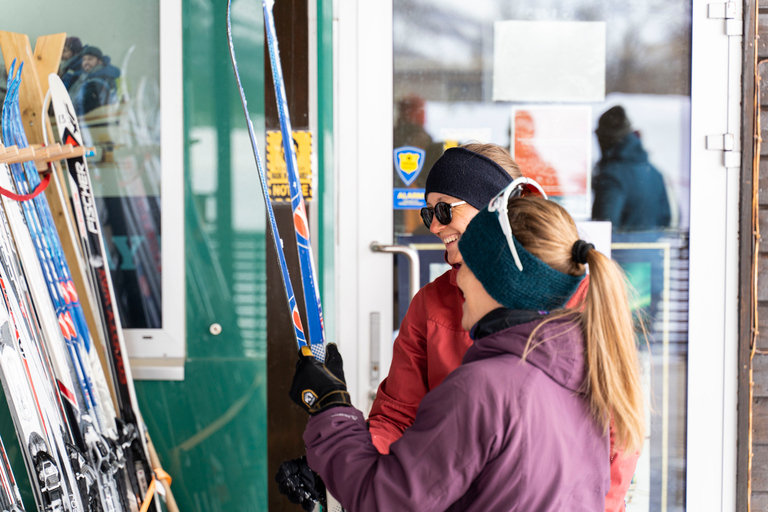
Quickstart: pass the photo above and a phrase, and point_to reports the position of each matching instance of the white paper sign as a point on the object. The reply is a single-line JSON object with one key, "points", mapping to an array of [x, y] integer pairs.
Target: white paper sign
{"points": [[549, 61]]}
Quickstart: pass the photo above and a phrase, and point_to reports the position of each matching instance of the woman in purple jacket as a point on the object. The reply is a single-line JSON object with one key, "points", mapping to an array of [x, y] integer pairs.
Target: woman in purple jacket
{"points": [[523, 423]]}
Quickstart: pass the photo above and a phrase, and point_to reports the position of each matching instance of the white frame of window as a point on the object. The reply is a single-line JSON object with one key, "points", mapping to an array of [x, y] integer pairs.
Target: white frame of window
{"points": [[159, 354]]}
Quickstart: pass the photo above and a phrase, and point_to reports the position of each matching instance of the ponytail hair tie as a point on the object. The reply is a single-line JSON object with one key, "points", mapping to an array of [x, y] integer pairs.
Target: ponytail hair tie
{"points": [[580, 250]]}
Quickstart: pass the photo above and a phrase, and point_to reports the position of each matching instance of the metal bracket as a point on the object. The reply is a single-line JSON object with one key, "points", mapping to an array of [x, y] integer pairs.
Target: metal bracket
{"points": [[725, 143], [730, 12]]}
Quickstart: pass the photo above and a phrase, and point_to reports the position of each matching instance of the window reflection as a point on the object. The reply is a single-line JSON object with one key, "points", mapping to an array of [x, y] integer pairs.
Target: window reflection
{"points": [[443, 96]]}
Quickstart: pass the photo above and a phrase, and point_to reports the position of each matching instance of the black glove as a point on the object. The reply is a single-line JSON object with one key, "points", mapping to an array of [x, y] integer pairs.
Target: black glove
{"points": [[315, 387], [333, 361], [300, 484]]}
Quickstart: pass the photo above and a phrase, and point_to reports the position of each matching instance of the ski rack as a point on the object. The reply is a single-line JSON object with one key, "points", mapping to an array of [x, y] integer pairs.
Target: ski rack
{"points": [[38, 65], [40, 154]]}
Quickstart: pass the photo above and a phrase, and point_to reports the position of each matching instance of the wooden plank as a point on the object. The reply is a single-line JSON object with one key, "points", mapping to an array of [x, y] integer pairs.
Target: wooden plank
{"points": [[745, 480], [759, 501], [760, 369], [762, 27], [48, 56], [760, 424], [762, 279], [759, 470]]}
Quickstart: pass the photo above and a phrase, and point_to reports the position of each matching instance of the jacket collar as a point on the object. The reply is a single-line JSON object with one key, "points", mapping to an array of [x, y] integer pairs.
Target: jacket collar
{"points": [[558, 346], [503, 318]]}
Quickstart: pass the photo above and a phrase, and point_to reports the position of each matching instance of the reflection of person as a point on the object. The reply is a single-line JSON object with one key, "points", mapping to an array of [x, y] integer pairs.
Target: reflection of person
{"points": [[96, 85], [629, 191], [70, 66], [529, 159], [522, 423]]}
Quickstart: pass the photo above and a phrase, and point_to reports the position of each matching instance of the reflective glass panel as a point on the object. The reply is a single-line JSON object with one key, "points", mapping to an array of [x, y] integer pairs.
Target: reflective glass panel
{"points": [[536, 78]]}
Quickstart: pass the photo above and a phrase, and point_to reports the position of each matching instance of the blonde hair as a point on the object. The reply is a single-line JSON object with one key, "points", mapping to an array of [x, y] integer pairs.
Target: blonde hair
{"points": [[498, 154], [547, 231]]}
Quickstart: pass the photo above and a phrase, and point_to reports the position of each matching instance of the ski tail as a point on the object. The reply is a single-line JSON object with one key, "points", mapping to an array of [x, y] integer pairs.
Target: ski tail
{"points": [[301, 226], [132, 434], [298, 327]]}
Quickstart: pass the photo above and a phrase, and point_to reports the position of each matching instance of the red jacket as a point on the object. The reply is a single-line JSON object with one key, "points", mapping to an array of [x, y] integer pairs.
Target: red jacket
{"points": [[430, 345]]}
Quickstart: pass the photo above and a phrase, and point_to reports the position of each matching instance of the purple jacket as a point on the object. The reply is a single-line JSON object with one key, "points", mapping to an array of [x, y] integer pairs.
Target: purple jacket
{"points": [[498, 434]]}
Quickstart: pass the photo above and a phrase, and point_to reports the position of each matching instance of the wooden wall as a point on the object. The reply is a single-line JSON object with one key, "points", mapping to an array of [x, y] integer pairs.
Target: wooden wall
{"points": [[759, 362]]}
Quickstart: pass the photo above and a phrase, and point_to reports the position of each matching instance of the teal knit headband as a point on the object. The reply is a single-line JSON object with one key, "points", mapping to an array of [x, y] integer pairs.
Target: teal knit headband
{"points": [[485, 251]]}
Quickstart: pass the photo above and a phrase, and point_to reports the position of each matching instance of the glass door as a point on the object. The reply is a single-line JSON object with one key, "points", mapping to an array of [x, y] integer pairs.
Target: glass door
{"points": [[568, 87]]}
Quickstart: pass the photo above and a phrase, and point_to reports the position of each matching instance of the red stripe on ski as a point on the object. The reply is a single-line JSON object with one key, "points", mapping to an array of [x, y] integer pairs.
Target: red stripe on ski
{"points": [[66, 393], [300, 221]]}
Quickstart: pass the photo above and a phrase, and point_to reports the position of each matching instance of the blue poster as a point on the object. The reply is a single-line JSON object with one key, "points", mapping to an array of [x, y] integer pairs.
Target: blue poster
{"points": [[408, 199], [408, 162]]}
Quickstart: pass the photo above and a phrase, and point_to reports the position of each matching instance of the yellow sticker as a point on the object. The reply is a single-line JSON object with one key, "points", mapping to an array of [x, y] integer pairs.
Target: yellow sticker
{"points": [[277, 175]]}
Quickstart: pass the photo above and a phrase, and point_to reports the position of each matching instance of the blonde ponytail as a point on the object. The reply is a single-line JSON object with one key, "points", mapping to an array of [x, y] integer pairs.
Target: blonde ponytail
{"points": [[613, 385], [613, 382]]}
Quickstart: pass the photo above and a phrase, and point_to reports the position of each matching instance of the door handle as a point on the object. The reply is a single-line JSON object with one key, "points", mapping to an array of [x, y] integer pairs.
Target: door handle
{"points": [[413, 260]]}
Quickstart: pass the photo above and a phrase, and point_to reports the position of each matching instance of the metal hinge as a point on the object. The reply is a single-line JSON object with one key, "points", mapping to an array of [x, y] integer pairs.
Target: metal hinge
{"points": [[725, 143], [731, 13]]}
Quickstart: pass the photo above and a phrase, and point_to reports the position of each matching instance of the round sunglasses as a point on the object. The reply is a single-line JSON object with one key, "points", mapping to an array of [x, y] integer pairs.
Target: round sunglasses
{"points": [[442, 212]]}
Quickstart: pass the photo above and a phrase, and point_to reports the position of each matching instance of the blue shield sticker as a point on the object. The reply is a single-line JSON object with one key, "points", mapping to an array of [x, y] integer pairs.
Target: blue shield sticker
{"points": [[409, 161]]}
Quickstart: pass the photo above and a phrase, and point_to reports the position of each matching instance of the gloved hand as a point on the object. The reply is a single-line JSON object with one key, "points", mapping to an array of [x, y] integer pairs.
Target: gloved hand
{"points": [[316, 387], [300, 484], [333, 361]]}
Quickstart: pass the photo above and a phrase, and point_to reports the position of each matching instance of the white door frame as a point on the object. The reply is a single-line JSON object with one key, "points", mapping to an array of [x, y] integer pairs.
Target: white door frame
{"points": [[714, 265], [363, 103], [363, 120]]}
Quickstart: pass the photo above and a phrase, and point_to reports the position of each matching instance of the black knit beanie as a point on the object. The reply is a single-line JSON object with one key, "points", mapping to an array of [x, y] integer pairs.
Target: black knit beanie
{"points": [[468, 176], [93, 50], [612, 127]]}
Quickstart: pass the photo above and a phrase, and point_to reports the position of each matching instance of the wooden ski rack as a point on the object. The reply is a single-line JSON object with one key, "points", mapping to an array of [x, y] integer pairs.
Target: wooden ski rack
{"points": [[40, 154], [37, 67]]}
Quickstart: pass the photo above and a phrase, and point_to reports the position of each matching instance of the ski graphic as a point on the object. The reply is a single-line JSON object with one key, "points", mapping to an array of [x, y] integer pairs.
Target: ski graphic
{"points": [[301, 228], [92, 247], [92, 440], [10, 498], [298, 328], [50, 453]]}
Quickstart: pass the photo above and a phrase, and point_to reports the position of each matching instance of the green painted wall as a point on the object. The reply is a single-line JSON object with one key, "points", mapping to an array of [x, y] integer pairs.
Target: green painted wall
{"points": [[325, 160], [210, 429]]}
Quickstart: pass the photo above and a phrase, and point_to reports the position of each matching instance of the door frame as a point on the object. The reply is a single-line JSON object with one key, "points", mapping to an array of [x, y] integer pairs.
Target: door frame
{"points": [[363, 103]]}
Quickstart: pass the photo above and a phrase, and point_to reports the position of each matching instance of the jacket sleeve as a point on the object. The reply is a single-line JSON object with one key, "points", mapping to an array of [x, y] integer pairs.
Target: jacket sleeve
{"points": [[665, 212], [400, 393], [610, 197], [579, 295], [419, 473], [622, 470]]}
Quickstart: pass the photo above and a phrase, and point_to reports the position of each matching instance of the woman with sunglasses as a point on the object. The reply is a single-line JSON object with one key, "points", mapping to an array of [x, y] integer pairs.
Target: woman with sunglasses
{"points": [[431, 341], [523, 422]]}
